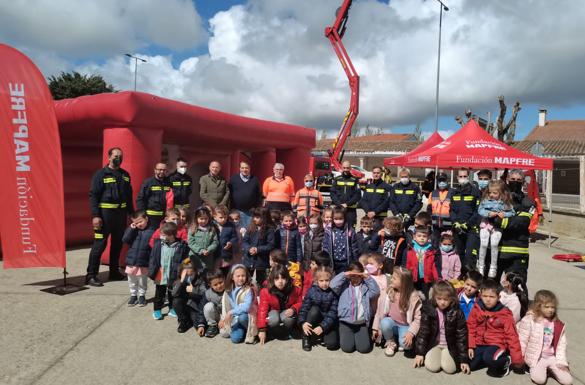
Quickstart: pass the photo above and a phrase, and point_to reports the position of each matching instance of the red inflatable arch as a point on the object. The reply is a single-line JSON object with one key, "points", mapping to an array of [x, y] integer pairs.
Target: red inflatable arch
{"points": [[146, 126]]}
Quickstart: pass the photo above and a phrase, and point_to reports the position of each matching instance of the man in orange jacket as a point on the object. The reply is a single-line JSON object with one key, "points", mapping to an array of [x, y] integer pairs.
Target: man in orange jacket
{"points": [[308, 200]]}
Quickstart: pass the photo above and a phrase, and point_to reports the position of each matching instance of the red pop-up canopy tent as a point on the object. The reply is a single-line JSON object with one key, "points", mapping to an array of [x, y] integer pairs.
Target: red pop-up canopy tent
{"points": [[473, 147], [434, 139]]}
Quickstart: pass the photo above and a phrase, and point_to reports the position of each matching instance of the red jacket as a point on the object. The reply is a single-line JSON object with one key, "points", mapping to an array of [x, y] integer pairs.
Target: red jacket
{"points": [[269, 301], [429, 265], [181, 234], [494, 327], [307, 281]]}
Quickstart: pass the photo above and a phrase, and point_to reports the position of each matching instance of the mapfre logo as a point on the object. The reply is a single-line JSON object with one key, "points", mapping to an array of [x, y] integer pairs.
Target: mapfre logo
{"points": [[484, 144]]}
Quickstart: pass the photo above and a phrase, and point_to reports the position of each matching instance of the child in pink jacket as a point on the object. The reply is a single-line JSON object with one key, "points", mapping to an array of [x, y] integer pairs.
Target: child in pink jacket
{"points": [[450, 261], [543, 341]]}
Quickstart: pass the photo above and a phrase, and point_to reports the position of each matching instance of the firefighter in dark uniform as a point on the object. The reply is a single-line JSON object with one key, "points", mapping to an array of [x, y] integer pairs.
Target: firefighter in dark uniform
{"points": [[515, 235], [375, 199], [110, 198], [464, 203], [182, 184], [152, 197], [345, 192], [405, 198], [472, 248]]}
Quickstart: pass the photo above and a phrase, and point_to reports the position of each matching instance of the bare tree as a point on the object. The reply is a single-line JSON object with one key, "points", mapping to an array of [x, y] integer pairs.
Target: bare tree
{"points": [[418, 133], [379, 131], [506, 132], [369, 131], [323, 134]]}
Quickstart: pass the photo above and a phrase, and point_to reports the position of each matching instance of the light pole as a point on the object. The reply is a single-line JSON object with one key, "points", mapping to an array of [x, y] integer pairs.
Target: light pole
{"points": [[443, 8], [135, 66]]}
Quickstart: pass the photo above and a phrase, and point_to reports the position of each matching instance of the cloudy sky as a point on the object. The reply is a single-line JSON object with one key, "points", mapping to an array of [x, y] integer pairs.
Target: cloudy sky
{"points": [[269, 58]]}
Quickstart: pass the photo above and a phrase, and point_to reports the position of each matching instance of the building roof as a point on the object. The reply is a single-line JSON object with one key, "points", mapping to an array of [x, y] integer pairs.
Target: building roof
{"points": [[374, 143], [554, 148], [558, 129]]}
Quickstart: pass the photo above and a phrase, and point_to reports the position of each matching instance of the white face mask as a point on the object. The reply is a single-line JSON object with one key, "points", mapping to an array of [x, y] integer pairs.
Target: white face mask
{"points": [[182, 170], [313, 226], [463, 180], [404, 180]]}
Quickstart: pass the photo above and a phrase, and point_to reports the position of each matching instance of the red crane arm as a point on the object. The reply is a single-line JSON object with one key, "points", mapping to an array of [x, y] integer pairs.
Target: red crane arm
{"points": [[335, 33]]}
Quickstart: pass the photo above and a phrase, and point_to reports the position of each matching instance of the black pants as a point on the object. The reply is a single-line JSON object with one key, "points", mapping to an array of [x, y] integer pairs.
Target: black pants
{"points": [[260, 276], [280, 206], [186, 315], [471, 250], [517, 265], [114, 224], [331, 337], [159, 296], [494, 357], [154, 221], [354, 337], [350, 217], [460, 243]]}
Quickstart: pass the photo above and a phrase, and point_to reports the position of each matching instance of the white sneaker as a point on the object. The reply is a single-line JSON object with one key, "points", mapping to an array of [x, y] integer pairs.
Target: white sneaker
{"points": [[493, 272], [480, 268]]}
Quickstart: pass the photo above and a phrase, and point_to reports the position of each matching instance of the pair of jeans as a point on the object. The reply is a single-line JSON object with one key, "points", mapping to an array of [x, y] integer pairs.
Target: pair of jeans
{"points": [[494, 357], [391, 330], [239, 328]]}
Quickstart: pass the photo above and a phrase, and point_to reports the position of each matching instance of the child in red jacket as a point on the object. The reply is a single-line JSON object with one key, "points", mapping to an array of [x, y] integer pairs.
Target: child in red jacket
{"points": [[423, 261], [493, 340], [279, 305]]}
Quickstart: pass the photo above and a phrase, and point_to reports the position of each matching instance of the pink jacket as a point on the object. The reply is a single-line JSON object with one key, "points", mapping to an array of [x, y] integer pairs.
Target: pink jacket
{"points": [[450, 265], [531, 334], [512, 302], [412, 313]]}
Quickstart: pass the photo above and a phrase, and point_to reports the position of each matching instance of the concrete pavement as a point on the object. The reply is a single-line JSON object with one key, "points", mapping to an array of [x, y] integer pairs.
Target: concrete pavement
{"points": [[92, 337]]}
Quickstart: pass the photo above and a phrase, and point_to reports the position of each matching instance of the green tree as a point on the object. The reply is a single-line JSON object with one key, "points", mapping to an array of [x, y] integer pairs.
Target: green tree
{"points": [[71, 85]]}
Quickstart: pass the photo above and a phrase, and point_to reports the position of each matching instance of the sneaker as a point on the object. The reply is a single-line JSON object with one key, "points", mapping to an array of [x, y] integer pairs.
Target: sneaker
{"points": [[306, 343], [157, 315], [480, 268], [93, 281], [506, 370], [211, 331], [390, 349], [183, 328], [172, 313], [133, 300], [492, 272], [141, 301]]}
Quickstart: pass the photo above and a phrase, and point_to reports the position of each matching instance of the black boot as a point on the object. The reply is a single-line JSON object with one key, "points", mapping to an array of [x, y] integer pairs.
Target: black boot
{"points": [[306, 343], [93, 281]]}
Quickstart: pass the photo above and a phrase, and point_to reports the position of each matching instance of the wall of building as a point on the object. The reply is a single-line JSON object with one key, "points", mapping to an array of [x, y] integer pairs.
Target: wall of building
{"points": [[566, 177]]}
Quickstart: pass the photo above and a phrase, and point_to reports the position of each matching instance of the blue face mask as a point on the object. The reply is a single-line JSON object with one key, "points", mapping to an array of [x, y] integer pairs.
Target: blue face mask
{"points": [[309, 184], [442, 185], [483, 184], [446, 248]]}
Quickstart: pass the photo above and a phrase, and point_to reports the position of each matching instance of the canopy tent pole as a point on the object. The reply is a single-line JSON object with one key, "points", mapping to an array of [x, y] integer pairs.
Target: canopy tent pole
{"points": [[451, 178], [436, 175]]}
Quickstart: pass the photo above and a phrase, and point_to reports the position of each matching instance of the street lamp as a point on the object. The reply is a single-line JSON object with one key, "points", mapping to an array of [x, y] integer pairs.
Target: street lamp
{"points": [[443, 8], [135, 66]]}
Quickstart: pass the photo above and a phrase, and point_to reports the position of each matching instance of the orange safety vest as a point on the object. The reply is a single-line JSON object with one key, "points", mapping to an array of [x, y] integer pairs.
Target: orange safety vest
{"points": [[440, 202], [278, 191], [308, 201]]}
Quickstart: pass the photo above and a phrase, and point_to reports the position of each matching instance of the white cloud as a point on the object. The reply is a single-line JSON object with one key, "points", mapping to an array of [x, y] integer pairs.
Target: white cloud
{"points": [[270, 59]]}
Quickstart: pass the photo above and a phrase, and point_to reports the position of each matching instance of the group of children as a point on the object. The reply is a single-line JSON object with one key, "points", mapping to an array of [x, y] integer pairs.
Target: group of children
{"points": [[318, 280]]}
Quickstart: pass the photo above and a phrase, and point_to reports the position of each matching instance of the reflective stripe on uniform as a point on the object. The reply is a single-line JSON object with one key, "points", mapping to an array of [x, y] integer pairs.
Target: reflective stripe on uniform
{"points": [[398, 192], [127, 179], [370, 190], [514, 250], [380, 190], [409, 192], [187, 183], [98, 236], [456, 198], [525, 214], [155, 213], [468, 198], [109, 180], [155, 188], [112, 205], [176, 183]]}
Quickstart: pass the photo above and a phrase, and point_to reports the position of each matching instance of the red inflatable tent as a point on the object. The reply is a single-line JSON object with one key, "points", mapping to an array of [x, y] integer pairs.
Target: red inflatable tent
{"points": [[434, 139], [473, 147]]}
